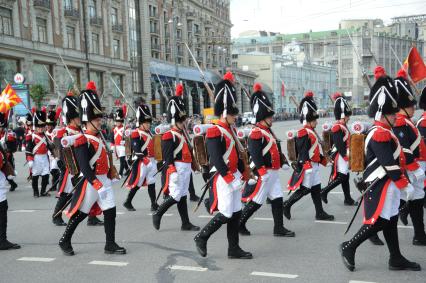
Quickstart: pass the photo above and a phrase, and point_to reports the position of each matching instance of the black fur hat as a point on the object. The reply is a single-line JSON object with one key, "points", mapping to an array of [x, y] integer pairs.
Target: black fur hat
{"points": [[383, 98]]}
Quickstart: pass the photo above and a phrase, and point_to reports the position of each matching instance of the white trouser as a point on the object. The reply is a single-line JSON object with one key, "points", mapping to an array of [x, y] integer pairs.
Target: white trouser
{"points": [[53, 162], [271, 188], [120, 150], [147, 172], [419, 192], [68, 185], [229, 201], [391, 205], [91, 196], [41, 165], [342, 165], [179, 188], [3, 189], [312, 176]]}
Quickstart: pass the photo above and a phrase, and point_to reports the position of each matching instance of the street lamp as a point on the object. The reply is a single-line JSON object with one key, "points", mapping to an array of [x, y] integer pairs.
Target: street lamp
{"points": [[176, 24]]}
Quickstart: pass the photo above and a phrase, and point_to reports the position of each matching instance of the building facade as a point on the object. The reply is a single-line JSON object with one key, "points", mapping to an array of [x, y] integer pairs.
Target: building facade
{"points": [[91, 36]]}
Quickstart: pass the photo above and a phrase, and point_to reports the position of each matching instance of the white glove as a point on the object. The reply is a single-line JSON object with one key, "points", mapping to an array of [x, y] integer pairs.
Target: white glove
{"points": [[113, 148], [420, 175], [236, 185], [103, 193], [285, 167], [174, 178], [10, 177], [252, 181], [30, 164], [266, 177], [409, 190], [122, 142]]}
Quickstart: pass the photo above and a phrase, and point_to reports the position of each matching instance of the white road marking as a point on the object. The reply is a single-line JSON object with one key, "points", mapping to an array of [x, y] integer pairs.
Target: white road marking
{"points": [[23, 210], [165, 214], [205, 216], [331, 222], [120, 212], [279, 275], [109, 263], [37, 259], [405, 227], [336, 193], [263, 218], [187, 268], [357, 281]]}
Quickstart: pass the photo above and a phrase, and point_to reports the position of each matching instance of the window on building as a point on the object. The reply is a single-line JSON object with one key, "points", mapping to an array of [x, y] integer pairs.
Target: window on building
{"points": [[135, 81], [153, 27], [116, 48], [277, 50], [92, 9], [8, 68], [250, 49], [95, 43], [118, 79], [68, 5], [97, 77], [40, 75], [5, 21], [264, 49], [41, 29], [70, 37], [114, 16]]}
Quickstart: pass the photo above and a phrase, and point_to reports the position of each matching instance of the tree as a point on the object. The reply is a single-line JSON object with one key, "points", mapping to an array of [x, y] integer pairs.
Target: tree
{"points": [[37, 93]]}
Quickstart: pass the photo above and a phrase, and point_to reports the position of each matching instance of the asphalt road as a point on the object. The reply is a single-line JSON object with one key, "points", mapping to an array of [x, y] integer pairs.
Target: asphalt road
{"points": [[169, 255]]}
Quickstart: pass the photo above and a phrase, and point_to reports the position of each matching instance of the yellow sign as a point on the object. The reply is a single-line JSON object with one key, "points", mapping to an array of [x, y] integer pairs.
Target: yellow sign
{"points": [[209, 116], [156, 101]]}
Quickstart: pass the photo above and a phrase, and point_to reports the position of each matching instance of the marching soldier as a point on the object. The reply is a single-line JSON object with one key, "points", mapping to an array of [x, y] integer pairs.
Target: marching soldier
{"points": [[37, 154], [341, 143], [384, 179], [227, 181], [4, 243], [55, 164], [144, 167], [421, 125], [177, 166], [9, 144], [119, 142], [306, 177], [410, 139], [94, 184], [267, 157]]}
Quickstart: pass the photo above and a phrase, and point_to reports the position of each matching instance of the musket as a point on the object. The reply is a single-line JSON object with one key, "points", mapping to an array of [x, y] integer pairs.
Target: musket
{"points": [[68, 71], [364, 73], [402, 66], [70, 200], [204, 189], [122, 94], [162, 87], [202, 75], [55, 85]]}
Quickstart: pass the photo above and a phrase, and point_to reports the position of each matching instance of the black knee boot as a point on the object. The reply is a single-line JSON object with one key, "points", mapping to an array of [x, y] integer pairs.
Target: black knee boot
{"points": [[416, 213], [62, 200], [65, 241], [403, 211], [346, 188], [152, 197], [296, 196], [348, 249], [13, 185], [375, 240], [92, 220], [4, 243], [128, 203], [249, 209], [192, 195], [122, 165], [34, 181], [55, 179], [201, 238], [234, 250], [277, 213], [396, 260], [334, 183], [111, 246], [44, 183], [156, 216], [183, 212], [320, 214]]}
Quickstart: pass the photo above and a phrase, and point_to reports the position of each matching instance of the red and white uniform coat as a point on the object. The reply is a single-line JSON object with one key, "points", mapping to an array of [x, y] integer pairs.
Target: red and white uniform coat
{"points": [[310, 155], [225, 192], [53, 161], [177, 168], [66, 183], [144, 166], [264, 152], [119, 142], [37, 154], [341, 144]]}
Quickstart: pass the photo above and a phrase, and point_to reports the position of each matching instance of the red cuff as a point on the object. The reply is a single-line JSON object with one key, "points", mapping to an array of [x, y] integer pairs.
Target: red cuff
{"points": [[30, 158], [146, 161], [97, 184], [323, 161], [412, 166], [262, 171], [307, 165], [346, 158], [172, 169], [229, 178], [402, 182]]}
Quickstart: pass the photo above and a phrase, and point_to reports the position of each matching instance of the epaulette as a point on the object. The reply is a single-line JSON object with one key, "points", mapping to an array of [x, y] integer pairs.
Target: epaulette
{"points": [[80, 140], [167, 136], [302, 132], [213, 132], [135, 134], [256, 134], [381, 135], [335, 128], [61, 132], [400, 121]]}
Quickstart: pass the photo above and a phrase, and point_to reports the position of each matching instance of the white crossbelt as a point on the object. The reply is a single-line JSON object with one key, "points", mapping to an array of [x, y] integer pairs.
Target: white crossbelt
{"points": [[98, 152], [148, 139], [315, 145], [40, 143], [118, 132], [229, 150], [416, 143], [180, 146]]}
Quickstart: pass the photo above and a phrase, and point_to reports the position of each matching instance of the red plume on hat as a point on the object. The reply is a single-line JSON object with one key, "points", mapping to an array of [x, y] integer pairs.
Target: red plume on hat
{"points": [[309, 93], [124, 108], [91, 85], [33, 110], [257, 87], [402, 73], [70, 93], [379, 71], [179, 90], [336, 95], [43, 109], [229, 77]]}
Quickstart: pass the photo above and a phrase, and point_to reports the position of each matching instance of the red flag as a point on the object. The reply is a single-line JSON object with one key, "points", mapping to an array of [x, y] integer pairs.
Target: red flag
{"points": [[8, 99], [282, 89], [415, 66]]}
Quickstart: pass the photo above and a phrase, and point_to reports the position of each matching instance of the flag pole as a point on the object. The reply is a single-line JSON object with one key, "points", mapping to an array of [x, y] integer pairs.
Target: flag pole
{"points": [[402, 66]]}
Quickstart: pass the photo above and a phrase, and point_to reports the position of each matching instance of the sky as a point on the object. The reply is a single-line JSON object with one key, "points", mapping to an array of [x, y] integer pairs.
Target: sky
{"points": [[296, 16]]}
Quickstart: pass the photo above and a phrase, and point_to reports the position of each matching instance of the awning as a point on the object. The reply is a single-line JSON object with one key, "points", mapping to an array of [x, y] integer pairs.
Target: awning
{"points": [[185, 73]]}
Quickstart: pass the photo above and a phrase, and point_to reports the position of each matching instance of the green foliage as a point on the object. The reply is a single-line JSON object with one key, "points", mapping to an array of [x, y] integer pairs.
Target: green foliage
{"points": [[37, 93]]}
